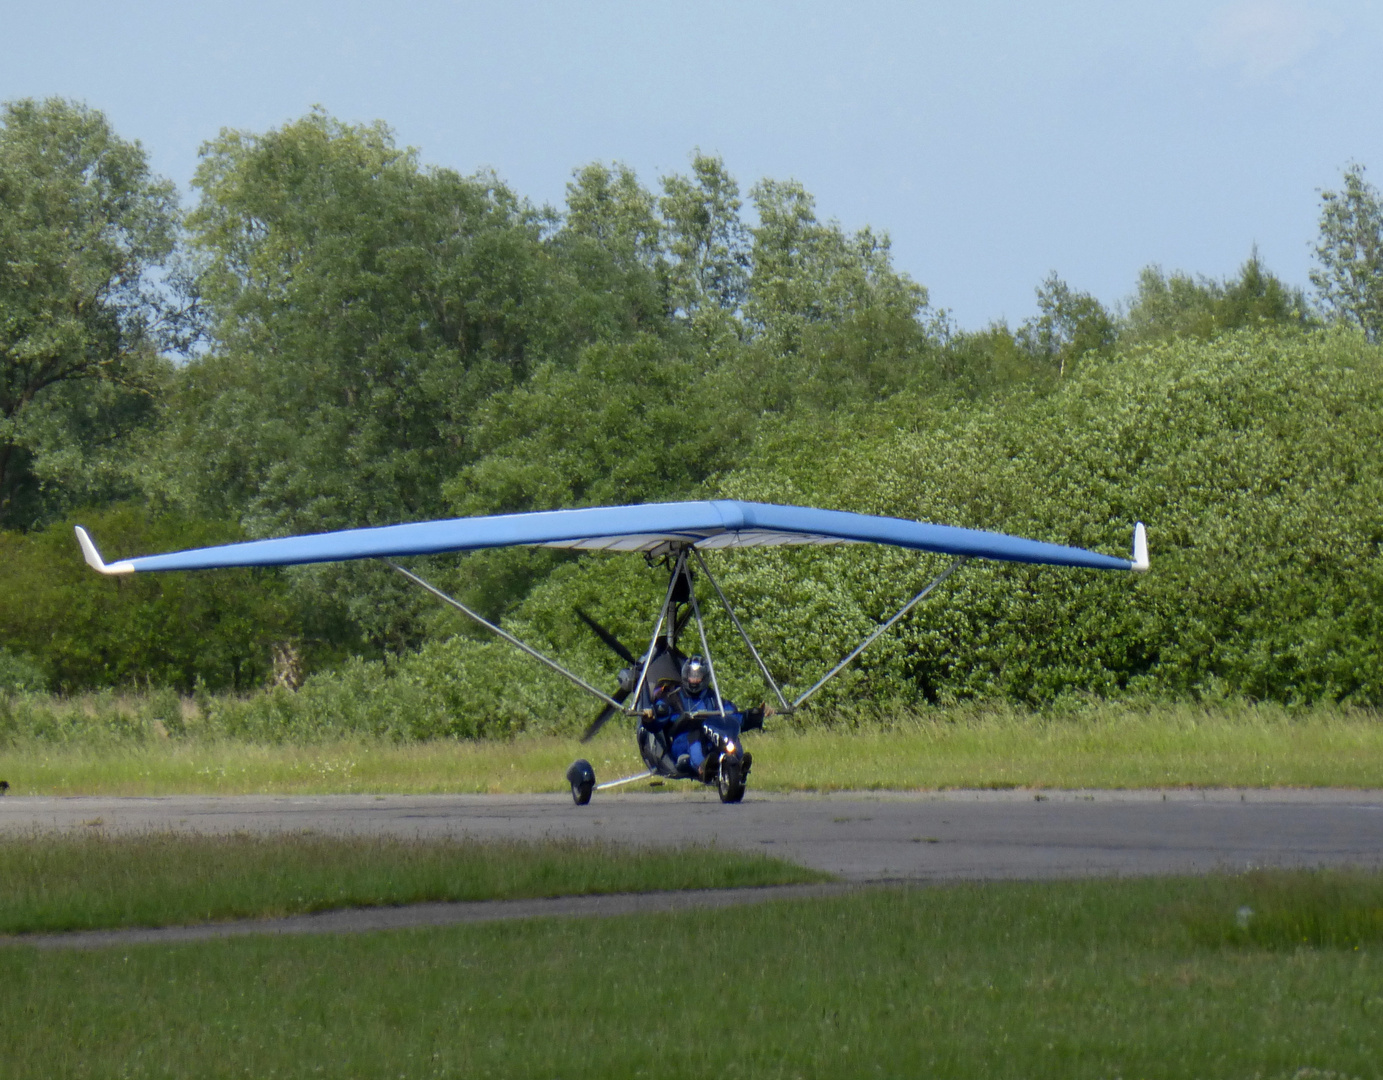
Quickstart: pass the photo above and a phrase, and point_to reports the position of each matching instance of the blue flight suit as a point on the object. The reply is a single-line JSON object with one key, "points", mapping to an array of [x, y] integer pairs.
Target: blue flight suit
{"points": [[668, 711]]}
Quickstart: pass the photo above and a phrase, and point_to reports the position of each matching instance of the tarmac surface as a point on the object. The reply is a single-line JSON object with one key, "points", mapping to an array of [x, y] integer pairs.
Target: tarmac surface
{"points": [[977, 835], [864, 839]]}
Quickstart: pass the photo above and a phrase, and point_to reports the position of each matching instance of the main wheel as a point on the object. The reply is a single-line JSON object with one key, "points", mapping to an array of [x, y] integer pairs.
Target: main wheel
{"points": [[581, 777], [731, 781]]}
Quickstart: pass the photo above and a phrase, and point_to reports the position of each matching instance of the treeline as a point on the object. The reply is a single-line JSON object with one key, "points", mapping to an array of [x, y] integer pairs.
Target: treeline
{"points": [[336, 335]]}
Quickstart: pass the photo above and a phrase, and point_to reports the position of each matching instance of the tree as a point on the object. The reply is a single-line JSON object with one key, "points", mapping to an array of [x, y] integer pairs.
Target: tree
{"points": [[981, 363], [85, 631], [610, 207], [1178, 305], [611, 248], [1350, 279], [708, 243], [806, 272], [361, 307], [1069, 325], [87, 302]]}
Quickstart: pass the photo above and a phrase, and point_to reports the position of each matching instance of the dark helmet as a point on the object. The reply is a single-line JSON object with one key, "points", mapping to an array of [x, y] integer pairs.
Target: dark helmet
{"points": [[694, 675]]}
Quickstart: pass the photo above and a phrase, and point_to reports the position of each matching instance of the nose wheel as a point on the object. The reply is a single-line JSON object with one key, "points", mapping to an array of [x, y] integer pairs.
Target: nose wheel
{"points": [[581, 777]]}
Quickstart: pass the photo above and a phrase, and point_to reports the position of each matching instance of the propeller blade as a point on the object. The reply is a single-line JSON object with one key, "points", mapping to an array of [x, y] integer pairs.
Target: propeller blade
{"points": [[605, 714], [607, 637]]}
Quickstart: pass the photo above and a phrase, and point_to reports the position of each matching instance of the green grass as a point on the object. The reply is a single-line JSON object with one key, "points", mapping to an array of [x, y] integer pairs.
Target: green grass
{"points": [[1098, 747], [1073, 979], [80, 882], [225, 767], [1161, 747]]}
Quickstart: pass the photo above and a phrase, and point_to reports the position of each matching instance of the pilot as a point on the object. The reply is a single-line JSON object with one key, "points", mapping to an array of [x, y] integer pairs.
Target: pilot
{"points": [[695, 694]]}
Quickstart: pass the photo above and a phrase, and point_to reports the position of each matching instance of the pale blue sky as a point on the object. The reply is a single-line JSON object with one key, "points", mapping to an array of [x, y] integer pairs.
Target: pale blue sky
{"points": [[994, 142]]}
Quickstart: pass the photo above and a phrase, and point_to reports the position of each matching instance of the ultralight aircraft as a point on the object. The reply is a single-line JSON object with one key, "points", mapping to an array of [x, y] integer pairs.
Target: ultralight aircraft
{"points": [[672, 535]]}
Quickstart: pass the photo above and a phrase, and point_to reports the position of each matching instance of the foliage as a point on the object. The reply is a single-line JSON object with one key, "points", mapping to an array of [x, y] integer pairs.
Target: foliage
{"points": [[627, 423], [1172, 306], [807, 274], [1069, 325], [19, 673], [1350, 278], [362, 306], [388, 341], [178, 630], [1250, 459], [706, 242], [87, 300], [982, 363], [611, 242]]}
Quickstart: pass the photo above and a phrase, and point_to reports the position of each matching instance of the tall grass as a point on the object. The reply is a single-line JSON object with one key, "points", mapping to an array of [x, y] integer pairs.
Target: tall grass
{"points": [[160, 744]]}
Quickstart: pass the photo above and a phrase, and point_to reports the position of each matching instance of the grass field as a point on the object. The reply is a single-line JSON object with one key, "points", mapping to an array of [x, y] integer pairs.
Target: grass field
{"points": [[80, 882], [1107, 747], [1272, 975]]}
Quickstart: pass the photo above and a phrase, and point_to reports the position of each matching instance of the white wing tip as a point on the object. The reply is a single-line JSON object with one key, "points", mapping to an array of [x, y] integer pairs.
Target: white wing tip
{"points": [[1140, 549], [93, 557]]}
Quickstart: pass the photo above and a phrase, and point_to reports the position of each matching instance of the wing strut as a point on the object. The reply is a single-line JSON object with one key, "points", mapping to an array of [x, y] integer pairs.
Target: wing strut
{"points": [[735, 619], [870, 639], [705, 648], [508, 637]]}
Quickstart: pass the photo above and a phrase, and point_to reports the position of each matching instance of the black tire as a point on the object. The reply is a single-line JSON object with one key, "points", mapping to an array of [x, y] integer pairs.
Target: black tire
{"points": [[581, 777], [731, 781]]}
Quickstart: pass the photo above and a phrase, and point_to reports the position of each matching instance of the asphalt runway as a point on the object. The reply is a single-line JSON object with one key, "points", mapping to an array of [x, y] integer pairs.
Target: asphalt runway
{"points": [[962, 835]]}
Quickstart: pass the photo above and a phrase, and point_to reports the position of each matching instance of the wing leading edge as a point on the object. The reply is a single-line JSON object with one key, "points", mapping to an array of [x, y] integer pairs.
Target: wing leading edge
{"points": [[650, 527]]}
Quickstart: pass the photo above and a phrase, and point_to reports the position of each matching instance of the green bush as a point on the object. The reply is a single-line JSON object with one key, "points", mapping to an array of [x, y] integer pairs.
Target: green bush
{"points": [[1251, 459], [18, 673], [85, 631]]}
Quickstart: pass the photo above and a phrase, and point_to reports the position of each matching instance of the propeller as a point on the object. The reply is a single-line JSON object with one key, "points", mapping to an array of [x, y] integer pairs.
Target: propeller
{"points": [[605, 636], [626, 685], [605, 714], [624, 654]]}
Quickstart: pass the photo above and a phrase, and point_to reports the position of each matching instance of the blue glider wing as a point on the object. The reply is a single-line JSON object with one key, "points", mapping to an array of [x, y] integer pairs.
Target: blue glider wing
{"points": [[651, 527]]}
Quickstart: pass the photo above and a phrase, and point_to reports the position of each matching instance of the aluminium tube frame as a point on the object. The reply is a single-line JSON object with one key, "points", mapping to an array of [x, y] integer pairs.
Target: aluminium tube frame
{"points": [[625, 780], [743, 635], [677, 567], [705, 648], [870, 639], [553, 664]]}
